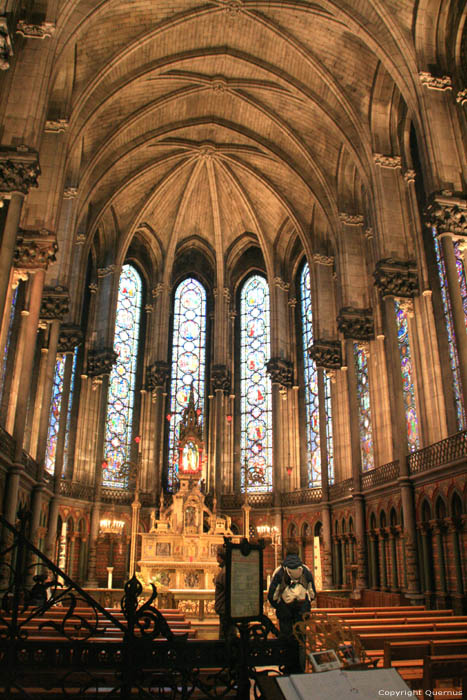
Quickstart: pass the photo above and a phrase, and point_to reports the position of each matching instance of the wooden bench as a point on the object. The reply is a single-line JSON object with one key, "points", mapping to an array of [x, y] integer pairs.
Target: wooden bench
{"points": [[378, 615], [443, 667], [376, 640]]}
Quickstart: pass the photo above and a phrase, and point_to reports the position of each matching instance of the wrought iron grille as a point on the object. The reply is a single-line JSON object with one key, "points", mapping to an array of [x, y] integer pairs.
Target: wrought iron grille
{"points": [[57, 641]]}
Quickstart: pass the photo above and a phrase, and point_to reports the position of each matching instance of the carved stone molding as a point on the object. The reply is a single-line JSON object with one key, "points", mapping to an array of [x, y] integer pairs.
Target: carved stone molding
{"points": [[43, 30], [55, 303], [157, 375], [387, 161], [327, 260], [326, 353], [93, 287], [433, 83], [280, 371], [101, 362], [448, 214], [6, 48], [19, 170], [105, 271], [35, 249], [356, 323], [80, 239], [409, 176], [19, 276], [397, 278], [56, 126], [159, 289], [70, 193], [368, 233], [351, 219], [233, 7], [220, 378], [69, 338], [280, 284], [461, 97]]}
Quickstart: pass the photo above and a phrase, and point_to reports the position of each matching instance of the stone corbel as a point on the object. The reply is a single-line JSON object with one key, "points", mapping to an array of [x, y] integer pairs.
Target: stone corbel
{"points": [[281, 372], [70, 193], [448, 213], [220, 378], [461, 97], [105, 271], [387, 161], [55, 303], [351, 219], [100, 362], [156, 376], [397, 278], [326, 354], [326, 260], [356, 324], [56, 126], [35, 249], [434, 83], [44, 30], [19, 170], [6, 47], [69, 338]]}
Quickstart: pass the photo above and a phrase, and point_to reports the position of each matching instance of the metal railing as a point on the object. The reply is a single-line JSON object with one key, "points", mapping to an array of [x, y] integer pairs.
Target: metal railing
{"points": [[439, 454], [301, 496], [380, 475]]}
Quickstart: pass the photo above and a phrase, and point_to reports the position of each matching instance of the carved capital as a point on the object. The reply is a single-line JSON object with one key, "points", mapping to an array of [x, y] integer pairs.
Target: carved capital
{"points": [[19, 170], [356, 324], [369, 235], [397, 278], [409, 176], [280, 371], [43, 30], [6, 48], [326, 353], [70, 193], [157, 375], [280, 284], [35, 249], [461, 97], [351, 219], [55, 303], [101, 362], [448, 214], [434, 83], [220, 378], [326, 260], [105, 271], [159, 289], [387, 161], [69, 338], [56, 126]]}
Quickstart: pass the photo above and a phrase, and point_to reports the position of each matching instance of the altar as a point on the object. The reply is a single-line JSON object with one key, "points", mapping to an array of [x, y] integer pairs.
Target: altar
{"points": [[180, 549]]}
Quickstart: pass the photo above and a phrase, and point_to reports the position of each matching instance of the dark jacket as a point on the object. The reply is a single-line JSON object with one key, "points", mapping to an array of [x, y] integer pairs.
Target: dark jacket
{"points": [[219, 596], [292, 561]]}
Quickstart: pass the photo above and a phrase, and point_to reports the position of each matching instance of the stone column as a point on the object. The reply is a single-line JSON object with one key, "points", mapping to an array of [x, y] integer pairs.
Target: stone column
{"points": [[449, 215], [100, 363], [382, 558], [327, 356], [220, 385], [454, 529], [356, 324], [425, 534], [396, 278], [393, 553], [438, 532], [281, 373], [156, 382], [19, 170], [33, 253]]}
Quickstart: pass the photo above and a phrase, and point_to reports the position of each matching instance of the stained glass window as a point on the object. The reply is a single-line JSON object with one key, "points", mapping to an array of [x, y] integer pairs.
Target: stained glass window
{"points": [[255, 386], [364, 409], [188, 362], [8, 340], [55, 410], [453, 355], [119, 420], [311, 392], [407, 375]]}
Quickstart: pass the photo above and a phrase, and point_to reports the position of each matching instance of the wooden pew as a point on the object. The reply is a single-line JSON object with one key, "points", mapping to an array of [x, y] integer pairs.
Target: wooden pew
{"points": [[376, 640], [442, 667]]}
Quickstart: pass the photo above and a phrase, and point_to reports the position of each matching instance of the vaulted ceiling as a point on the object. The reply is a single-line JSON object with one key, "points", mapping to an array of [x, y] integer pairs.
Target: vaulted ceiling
{"points": [[208, 119]]}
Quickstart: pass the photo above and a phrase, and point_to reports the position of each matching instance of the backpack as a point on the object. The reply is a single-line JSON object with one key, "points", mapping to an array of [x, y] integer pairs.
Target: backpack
{"points": [[294, 585]]}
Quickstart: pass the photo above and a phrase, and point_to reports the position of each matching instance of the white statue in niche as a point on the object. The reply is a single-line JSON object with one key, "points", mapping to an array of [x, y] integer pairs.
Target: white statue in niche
{"points": [[190, 457]]}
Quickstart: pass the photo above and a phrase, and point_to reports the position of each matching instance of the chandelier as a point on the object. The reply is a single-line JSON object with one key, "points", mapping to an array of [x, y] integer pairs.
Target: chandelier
{"points": [[111, 525]]}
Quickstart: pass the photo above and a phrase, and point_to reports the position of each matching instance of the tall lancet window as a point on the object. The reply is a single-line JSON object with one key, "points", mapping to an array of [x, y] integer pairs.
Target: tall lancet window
{"points": [[453, 355], [188, 362], [255, 386], [408, 378], [361, 355], [56, 412], [121, 397], [311, 392]]}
